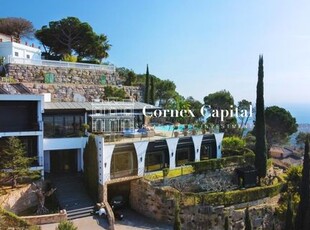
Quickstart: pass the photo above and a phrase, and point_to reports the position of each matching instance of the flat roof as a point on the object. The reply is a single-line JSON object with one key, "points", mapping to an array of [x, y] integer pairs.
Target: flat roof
{"points": [[90, 105], [21, 97]]}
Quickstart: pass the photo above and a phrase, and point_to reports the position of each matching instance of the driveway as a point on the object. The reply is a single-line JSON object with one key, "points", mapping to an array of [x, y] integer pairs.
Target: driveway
{"points": [[132, 220]]}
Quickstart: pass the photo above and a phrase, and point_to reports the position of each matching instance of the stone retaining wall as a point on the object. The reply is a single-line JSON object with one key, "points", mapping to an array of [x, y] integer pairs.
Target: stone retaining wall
{"points": [[46, 219], [158, 203], [36, 73], [19, 200], [69, 84], [71, 92]]}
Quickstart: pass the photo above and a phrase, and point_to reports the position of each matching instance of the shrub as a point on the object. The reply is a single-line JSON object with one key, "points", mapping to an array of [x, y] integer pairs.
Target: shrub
{"points": [[10, 220], [231, 197], [69, 58], [242, 196], [249, 157], [66, 225], [165, 172], [213, 164], [233, 143], [292, 179]]}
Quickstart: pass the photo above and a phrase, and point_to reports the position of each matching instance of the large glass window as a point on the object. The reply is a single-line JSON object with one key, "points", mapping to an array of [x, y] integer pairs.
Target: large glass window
{"points": [[17, 116], [157, 156], [155, 161], [185, 151], [124, 163], [206, 151], [185, 155], [208, 147], [63, 125]]}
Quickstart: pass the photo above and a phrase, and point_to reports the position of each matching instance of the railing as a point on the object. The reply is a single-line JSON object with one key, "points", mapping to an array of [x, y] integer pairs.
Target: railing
{"points": [[63, 64]]}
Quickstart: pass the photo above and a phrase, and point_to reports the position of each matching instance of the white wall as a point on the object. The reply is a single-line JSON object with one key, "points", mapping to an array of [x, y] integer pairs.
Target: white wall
{"points": [[219, 139], [104, 159], [10, 48], [172, 148], [64, 143], [141, 152], [6, 49], [197, 145]]}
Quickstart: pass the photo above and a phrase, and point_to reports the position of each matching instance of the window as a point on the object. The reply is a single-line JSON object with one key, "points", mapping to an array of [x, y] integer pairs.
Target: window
{"points": [[155, 160], [16, 54], [63, 125], [28, 56]]}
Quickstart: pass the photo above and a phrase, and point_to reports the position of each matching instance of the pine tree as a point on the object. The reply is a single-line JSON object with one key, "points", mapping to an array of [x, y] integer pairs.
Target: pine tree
{"points": [[13, 157], [147, 83], [152, 91], [289, 215], [247, 220], [260, 127], [303, 211]]}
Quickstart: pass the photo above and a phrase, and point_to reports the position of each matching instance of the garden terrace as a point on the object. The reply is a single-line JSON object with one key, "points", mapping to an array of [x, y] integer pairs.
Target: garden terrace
{"points": [[214, 182]]}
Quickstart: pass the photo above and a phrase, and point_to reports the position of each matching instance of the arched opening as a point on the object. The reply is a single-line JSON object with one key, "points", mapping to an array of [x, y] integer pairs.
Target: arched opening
{"points": [[124, 161], [185, 151], [157, 156], [208, 147]]}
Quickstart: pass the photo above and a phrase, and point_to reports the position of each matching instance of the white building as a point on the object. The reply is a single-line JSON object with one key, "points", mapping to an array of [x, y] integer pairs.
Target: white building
{"points": [[5, 38], [9, 48]]}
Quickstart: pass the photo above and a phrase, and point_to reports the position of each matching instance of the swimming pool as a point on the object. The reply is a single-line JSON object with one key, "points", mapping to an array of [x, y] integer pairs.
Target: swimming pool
{"points": [[168, 128]]}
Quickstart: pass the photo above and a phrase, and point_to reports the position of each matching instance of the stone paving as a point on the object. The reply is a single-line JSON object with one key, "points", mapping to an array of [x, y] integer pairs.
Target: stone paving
{"points": [[132, 220]]}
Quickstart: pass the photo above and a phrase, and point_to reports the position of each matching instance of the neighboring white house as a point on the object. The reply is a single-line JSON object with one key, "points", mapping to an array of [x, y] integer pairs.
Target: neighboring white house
{"points": [[5, 38], [8, 49]]}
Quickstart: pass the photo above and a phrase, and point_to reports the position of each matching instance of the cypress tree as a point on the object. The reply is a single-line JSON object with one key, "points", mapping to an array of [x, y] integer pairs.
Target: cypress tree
{"points": [[90, 158], [147, 84], [289, 215], [226, 223], [86, 163], [303, 211], [177, 221], [152, 91], [260, 128], [247, 220]]}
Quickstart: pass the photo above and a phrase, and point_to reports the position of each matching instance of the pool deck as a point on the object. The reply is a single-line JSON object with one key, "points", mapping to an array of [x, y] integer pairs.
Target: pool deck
{"points": [[158, 135]]}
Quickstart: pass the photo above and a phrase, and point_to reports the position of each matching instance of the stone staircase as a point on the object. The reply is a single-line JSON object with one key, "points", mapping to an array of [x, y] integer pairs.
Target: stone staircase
{"points": [[72, 195], [80, 212]]}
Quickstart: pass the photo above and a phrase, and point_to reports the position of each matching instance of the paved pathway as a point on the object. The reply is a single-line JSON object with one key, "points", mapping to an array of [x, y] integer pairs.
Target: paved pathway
{"points": [[71, 192], [132, 220]]}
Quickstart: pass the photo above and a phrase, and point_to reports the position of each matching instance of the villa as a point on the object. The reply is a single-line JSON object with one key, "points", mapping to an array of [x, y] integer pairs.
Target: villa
{"points": [[53, 107], [53, 132]]}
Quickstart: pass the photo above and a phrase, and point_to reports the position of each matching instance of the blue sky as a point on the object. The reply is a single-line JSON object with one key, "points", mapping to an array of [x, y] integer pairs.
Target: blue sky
{"points": [[203, 46]]}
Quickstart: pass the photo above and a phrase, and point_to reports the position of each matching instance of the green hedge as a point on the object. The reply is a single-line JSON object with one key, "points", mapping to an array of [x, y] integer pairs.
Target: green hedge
{"points": [[231, 197], [226, 152], [214, 164]]}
